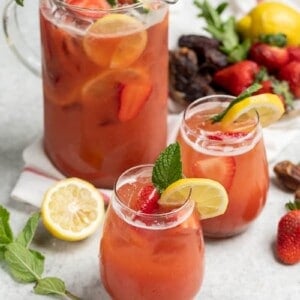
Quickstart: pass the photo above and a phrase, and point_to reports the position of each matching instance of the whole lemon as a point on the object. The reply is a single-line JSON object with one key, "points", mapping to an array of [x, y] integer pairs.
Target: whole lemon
{"points": [[271, 18]]}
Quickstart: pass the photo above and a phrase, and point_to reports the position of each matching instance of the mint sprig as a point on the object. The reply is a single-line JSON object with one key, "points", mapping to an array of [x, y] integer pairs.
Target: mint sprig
{"points": [[24, 264], [224, 31], [167, 168], [246, 93]]}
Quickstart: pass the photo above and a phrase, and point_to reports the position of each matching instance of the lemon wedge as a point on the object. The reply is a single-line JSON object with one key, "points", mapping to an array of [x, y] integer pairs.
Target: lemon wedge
{"points": [[210, 196], [268, 106], [72, 209], [115, 41]]}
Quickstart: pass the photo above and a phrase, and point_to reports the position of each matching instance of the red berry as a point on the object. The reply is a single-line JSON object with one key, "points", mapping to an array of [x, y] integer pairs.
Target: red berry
{"points": [[288, 238], [148, 199]]}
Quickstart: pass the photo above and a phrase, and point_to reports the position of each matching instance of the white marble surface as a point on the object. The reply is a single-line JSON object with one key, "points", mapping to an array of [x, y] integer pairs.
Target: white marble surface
{"points": [[239, 268]]}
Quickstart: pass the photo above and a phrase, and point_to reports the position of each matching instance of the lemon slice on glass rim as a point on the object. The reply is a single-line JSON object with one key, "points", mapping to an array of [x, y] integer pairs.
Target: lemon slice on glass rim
{"points": [[72, 209], [269, 107], [210, 196]]}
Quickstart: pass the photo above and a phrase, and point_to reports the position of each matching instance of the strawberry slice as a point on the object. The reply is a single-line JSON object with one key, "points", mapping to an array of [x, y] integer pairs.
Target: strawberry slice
{"points": [[222, 136], [133, 98], [88, 6], [221, 169], [92, 4], [148, 199]]}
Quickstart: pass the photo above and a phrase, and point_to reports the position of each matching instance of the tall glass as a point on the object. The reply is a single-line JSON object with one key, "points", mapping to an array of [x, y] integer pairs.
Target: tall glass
{"points": [[150, 256], [234, 155], [105, 83]]}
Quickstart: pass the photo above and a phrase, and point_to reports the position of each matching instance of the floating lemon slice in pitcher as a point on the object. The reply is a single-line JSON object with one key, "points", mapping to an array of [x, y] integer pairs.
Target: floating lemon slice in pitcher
{"points": [[115, 40]]}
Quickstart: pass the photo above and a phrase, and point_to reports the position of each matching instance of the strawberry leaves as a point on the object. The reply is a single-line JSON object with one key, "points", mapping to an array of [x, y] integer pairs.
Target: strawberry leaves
{"points": [[24, 264]]}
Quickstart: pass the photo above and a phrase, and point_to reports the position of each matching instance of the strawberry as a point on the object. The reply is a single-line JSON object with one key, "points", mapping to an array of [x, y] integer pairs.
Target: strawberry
{"points": [[221, 169], [237, 77], [148, 199], [291, 74], [288, 236], [271, 84], [132, 99], [269, 56], [294, 53]]}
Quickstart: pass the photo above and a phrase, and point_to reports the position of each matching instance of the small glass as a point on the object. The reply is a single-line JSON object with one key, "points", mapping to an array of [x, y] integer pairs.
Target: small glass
{"points": [[234, 155], [150, 256]]}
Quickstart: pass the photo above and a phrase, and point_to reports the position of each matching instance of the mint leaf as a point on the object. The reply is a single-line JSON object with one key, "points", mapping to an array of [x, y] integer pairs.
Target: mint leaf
{"points": [[6, 235], [20, 2], [50, 285], [167, 168], [26, 235], [24, 265]]}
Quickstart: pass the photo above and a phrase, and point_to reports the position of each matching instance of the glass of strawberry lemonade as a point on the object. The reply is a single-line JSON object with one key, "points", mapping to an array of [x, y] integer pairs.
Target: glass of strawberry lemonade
{"points": [[149, 251], [152, 243], [234, 155], [104, 69]]}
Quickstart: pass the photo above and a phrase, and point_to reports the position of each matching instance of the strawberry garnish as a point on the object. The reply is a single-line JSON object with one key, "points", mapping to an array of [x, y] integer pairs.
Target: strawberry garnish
{"points": [[148, 199], [221, 169], [288, 236]]}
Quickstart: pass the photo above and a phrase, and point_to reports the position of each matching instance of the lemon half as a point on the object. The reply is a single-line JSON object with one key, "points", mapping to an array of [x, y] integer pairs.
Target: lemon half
{"points": [[209, 195], [72, 209]]}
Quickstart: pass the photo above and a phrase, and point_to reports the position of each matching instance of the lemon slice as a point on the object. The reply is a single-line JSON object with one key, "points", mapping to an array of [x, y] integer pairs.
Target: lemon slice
{"points": [[268, 106], [209, 195], [115, 41], [72, 209]]}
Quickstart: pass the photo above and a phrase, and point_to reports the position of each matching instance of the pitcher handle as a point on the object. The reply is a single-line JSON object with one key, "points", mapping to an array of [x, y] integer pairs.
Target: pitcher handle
{"points": [[16, 41]]}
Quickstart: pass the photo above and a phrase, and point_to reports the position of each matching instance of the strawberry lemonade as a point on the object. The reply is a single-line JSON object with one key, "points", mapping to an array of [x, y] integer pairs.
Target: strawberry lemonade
{"points": [[105, 85], [150, 256], [233, 155]]}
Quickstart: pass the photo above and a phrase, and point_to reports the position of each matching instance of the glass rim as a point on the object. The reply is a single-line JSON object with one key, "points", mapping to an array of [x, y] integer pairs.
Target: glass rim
{"points": [[219, 98], [187, 205], [115, 9]]}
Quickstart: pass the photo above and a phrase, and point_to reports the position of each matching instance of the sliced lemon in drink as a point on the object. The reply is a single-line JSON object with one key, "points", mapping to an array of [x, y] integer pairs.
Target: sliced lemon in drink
{"points": [[115, 41], [210, 196], [269, 107], [72, 209]]}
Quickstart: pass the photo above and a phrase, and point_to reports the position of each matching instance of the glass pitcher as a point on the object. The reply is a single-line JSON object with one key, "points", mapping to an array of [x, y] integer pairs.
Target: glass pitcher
{"points": [[105, 83]]}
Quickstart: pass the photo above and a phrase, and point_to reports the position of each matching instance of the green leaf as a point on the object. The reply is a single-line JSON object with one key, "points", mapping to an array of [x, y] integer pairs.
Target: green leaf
{"points": [[26, 235], [246, 93], [167, 168], [24, 265], [20, 2], [222, 30], [2, 251], [6, 235], [279, 39], [50, 285]]}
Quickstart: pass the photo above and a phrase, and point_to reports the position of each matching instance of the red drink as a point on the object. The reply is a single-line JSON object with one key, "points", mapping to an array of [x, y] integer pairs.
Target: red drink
{"points": [[105, 87], [235, 156], [150, 256]]}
